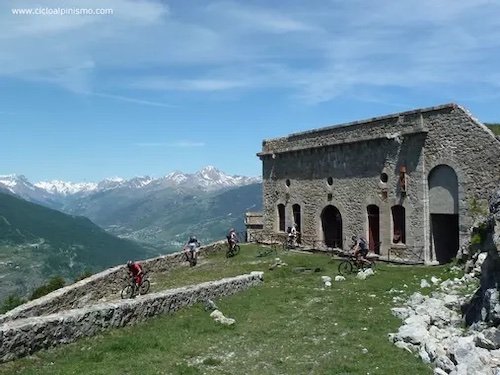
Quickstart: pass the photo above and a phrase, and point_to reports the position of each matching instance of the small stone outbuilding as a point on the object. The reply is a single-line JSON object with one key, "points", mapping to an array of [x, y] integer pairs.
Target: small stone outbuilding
{"points": [[409, 182]]}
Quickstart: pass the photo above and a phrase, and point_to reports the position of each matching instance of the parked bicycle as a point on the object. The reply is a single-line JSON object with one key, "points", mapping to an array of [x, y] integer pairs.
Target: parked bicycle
{"points": [[354, 265], [132, 288]]}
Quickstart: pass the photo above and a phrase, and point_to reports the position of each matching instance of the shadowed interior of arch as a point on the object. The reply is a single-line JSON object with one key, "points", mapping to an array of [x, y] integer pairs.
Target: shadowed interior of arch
{"points": [[331, 221]]}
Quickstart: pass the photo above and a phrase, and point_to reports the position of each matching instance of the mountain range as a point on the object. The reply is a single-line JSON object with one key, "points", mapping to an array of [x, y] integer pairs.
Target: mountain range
{"points": [[160, 211], [56, 193]]}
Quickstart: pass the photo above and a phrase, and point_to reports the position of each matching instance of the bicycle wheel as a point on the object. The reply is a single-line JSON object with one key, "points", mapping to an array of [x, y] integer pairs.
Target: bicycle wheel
{"points": [[236, 249], [184, 257], [127, 292], [144, 288], [345, 267], [229, 253], [193, 260]]}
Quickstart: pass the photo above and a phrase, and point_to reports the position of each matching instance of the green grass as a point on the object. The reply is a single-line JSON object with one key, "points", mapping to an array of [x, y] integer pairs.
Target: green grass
{"points": [[289, 325], [495, 128]]}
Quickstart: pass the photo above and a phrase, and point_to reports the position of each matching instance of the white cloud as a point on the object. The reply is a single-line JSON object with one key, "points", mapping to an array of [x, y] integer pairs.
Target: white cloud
{"points": [[316, 51]]}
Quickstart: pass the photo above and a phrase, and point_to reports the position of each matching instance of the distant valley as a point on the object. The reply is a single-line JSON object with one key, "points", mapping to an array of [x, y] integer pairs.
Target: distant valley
{"points": [[162, 211], [37, 242]]}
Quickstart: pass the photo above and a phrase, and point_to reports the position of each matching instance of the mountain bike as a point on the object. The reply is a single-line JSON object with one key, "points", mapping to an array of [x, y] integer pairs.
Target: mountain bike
{"points": [[190, 256], [232, 250], [289, 243], [353, 265], [132, 288]]}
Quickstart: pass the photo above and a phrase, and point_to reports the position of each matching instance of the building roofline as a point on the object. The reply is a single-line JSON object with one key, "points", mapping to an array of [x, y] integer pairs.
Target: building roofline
{"points": [[371, 120]]}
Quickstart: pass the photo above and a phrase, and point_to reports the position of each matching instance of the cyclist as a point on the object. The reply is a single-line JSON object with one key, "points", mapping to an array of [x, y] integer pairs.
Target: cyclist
{"points": [[292, 236], [191, 246], [232, 238], [135, 269], [360, 248]]}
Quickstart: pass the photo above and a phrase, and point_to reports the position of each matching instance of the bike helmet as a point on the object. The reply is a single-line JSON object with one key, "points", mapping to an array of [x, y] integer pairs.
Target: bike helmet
{"points": [[193, 238], [129, 263]]}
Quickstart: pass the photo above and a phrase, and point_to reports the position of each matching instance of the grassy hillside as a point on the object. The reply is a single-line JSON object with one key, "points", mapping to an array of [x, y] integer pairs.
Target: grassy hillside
{"points": [[37, 242], [289, 325], [495, 128]]}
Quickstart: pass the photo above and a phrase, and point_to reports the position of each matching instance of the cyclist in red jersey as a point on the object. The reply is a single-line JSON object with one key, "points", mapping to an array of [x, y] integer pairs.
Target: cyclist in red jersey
{"points": [[135, 269]]}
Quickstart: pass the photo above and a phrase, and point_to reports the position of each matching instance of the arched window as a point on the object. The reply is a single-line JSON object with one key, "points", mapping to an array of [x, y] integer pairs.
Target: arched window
{"points": [[281, 217], [398, 224]]}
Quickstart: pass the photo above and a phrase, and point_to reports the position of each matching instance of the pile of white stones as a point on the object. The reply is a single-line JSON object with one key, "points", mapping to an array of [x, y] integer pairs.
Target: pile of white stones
{"points": [[434, 329]]}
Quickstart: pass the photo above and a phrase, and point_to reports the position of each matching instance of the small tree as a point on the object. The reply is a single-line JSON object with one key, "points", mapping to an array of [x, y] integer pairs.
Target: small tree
{"points": [[54, 283], [11, 302]]}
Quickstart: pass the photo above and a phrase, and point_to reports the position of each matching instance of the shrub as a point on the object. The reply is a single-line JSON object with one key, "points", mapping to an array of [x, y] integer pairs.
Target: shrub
{"points": [[54, 283], [83, 275], [10, 302]]}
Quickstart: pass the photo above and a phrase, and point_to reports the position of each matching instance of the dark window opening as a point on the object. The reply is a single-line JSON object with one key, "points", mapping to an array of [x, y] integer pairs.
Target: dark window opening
{"points": [[398, 224], [281, 217], [329, 180], [373, 213], [287, 182], [384, 177]]}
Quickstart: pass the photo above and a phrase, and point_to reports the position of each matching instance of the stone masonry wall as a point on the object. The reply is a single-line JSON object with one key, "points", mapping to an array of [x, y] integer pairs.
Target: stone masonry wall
{"points": [[95, 287], [25, 336], [355, 155]]}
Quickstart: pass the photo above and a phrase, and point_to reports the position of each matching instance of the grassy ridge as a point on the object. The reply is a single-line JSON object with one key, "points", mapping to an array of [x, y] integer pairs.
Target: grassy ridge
{"points": [[37, 242], [289, 325], [495, 128]]}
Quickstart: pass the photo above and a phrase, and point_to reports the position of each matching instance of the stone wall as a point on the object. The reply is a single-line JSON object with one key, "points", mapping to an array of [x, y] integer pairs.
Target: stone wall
{"points": [[95, 287], [342, 166], [25, 336]]}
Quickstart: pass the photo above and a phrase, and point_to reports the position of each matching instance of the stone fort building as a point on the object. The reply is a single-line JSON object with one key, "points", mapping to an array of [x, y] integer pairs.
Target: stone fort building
{"points": [[410, 183]]}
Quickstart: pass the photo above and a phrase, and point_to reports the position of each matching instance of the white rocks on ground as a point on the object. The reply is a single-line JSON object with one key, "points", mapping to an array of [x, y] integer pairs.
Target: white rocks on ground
{"points": [[339, 278], [433, 329], [362, 275], [220, 318]]}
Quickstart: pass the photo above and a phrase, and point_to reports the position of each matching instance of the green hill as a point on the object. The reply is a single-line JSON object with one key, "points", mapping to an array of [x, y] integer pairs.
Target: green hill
{"points": [[495, 128], [37, 242], [291, 324]]}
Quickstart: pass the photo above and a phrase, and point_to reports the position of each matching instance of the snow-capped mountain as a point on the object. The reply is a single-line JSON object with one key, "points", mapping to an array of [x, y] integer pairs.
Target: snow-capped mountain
{"points": [[20, 186], [49, 192], [66, 188]]}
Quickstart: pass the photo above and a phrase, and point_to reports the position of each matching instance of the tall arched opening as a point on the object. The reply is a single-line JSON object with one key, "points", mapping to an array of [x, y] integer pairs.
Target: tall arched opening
{"points": [[297, 217], [443, 208], [281, 217], [331, 221], [373, 213]]}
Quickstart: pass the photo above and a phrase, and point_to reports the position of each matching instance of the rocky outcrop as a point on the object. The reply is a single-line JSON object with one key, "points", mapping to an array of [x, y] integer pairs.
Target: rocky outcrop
{"points": [[433, 325], [22, 337], [484, 305]]}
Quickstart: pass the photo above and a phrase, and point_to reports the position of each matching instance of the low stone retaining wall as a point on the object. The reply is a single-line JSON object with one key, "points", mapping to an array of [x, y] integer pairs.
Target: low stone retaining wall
{"points": [[25, 336], [95, 287]]}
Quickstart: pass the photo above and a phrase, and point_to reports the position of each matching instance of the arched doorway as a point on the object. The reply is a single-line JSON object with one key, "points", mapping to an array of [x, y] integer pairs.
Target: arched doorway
{"points": [[331, 221], [297, 217], [443, 208], [373, 213]]}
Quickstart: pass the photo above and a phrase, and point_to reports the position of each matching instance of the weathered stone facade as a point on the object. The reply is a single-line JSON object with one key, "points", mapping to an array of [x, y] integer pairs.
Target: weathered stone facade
{"points": [[405, 181]]}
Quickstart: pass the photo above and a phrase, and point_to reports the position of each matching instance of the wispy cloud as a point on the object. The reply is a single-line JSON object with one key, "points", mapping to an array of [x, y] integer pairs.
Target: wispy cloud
{"points": [[131, 100], [314, 52], [180, 144]]}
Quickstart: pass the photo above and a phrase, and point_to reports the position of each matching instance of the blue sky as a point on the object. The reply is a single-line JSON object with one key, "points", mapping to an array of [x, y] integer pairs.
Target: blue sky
{"points": [[176, 85]]}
